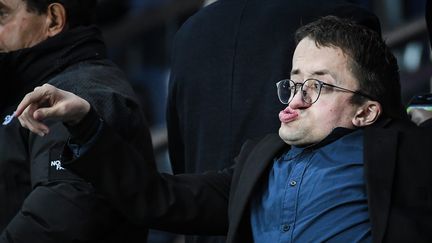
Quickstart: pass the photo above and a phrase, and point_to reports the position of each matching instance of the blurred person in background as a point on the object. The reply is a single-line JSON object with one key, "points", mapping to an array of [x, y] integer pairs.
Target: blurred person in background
{"points": [[54, 42], [423, 116]]}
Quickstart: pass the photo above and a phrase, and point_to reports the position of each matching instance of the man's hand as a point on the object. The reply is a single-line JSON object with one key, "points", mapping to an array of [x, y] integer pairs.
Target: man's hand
{"points": [[418, 116], [46, 102]]}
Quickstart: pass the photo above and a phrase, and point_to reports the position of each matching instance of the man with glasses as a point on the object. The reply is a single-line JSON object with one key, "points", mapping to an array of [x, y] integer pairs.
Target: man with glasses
{"points": [[347, 165], [310, 90]]}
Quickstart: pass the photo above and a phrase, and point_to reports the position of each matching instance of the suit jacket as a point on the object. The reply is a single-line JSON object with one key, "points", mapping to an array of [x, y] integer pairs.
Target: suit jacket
{"points": [[398, 174], [226, 60]]}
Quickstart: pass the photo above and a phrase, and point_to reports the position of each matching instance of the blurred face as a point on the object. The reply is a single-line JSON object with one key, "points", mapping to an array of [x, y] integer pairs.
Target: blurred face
{"points": [[304, 124], [19, 28]]}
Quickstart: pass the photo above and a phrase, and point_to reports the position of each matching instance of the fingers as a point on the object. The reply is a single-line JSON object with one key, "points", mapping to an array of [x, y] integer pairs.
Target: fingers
{"points": [[49, 102], [58, 112], [28, 110], [39, 95], [27, 121], [33, 116]]}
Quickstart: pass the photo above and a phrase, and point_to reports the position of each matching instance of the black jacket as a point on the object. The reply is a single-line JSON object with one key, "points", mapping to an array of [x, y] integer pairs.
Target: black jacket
{"points": [[398, 176], [40, 200], [226, 61]]}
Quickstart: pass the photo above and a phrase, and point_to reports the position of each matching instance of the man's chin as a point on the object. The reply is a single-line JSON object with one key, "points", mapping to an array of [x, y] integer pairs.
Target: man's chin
{"points": [[289, 136]]}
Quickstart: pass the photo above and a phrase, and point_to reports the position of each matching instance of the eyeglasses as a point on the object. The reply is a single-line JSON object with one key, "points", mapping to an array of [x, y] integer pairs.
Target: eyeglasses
{"points": [[310, 90]]}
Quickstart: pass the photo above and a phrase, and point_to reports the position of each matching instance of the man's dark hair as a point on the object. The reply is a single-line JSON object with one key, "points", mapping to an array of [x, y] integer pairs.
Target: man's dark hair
{"points": [[371, 60], [79, 12]]}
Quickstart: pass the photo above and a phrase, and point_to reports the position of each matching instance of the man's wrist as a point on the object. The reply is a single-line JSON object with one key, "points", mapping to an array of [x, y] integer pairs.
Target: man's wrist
{"points": [[84, 130]]}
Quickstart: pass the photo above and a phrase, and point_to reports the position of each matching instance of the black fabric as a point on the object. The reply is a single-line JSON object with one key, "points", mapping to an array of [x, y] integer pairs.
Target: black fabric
{"points": [[398, 176], [190, 195], [87, 129], [428, 16], [26, 68], [41, 202], [226, 61], [427, 123]]}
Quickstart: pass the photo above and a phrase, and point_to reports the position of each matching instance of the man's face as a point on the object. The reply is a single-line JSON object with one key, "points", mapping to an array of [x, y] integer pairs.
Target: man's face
{"points": [[19, 28], [304, 124]]}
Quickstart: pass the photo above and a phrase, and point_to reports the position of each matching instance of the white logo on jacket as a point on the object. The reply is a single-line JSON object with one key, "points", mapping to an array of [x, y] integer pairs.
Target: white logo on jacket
{"points": [[57, 164], [8, 119]]}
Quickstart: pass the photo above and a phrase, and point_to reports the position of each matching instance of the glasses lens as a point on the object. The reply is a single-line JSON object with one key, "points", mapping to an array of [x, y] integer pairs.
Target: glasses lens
{"points": [[284, 91], [311, 90]]}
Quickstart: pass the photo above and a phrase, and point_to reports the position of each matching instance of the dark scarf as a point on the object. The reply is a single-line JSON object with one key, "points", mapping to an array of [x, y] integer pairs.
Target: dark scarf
{"points": [[22, 70]]}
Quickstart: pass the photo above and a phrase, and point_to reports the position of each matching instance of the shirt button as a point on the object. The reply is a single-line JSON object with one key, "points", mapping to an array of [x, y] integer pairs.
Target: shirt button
{"points": [[285, 228], [293, 183]]}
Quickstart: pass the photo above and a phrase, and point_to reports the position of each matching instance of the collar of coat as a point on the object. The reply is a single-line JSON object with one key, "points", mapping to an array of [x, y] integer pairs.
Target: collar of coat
{"points": [[27, 68]]}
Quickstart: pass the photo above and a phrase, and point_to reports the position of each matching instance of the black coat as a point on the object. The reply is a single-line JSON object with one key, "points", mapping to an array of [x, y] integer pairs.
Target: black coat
{"points": [[227, 59], [40, 201], [398, 176]]}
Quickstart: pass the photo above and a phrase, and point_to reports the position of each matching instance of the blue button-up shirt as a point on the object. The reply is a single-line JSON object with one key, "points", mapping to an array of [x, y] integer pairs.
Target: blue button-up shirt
{"points": [[315, 194]]}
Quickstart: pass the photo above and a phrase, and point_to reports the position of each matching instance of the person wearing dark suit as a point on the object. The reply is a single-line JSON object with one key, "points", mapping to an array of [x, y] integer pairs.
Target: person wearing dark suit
{"points": [[346, 166], [225, 60]]}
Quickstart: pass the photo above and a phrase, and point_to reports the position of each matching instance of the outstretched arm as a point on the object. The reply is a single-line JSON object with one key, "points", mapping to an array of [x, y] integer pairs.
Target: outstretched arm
{"points": [[195, 204]]}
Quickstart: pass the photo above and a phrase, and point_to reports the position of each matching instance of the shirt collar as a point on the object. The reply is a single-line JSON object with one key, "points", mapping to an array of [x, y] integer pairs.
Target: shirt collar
{"points": [[334, 135]]}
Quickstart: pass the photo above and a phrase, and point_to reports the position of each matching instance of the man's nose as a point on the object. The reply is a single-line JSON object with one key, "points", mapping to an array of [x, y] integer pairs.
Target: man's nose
{"points": [[297, 101]]}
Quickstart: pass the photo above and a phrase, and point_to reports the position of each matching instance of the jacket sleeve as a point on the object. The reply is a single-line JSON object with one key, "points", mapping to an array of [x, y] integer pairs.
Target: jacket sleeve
{"points": [[64, 208], [61, 207], [53, 213], [190, 204]]}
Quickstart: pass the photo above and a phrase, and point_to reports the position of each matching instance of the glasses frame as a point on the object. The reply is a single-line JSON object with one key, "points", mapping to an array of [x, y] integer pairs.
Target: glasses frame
{"points": [[321, 85]]}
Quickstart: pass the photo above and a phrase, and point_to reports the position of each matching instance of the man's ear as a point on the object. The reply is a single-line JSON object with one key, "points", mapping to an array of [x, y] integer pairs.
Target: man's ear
{"points": [[56, 19], [367, 114]]}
